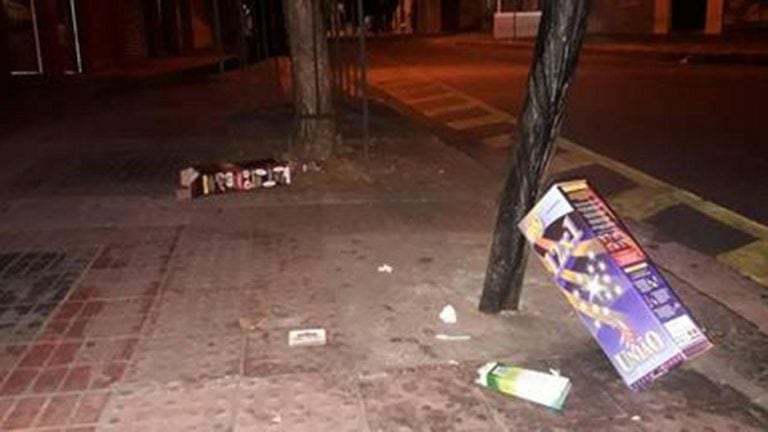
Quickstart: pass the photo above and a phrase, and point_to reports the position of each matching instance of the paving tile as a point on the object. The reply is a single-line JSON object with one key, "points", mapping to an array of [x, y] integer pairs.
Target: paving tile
{"points": [[54, 330], [18, 381], [736, 419], [398, 83], [24, 413], [132, 267], [81, 429], [90, 408], [439, 103], [106, 350], [50, 379], [31, 286], [78, 378], [489, 130], [106, 375], [204, 408], [188, 312], [102, 173], [120, 286], [108, 326], [37, 355], [65, 353], [442, 399], [193, 358], [462, 113], [605, 180], [65, 377], [68, 310], [488, 120], [499, 141], [10, 355], [698, 231], [7, 259], [422, 92], [446, 109], [267, 353], [300, 402], [58, 410], [6, 404]]}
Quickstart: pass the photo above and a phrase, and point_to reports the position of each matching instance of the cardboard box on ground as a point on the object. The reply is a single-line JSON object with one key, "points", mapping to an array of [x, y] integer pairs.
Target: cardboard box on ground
{"points": [[214, 179], [617, 292]]}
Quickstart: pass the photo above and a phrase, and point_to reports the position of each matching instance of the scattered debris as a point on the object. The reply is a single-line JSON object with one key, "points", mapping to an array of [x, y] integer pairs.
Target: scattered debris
{"points": [[276, 419], [685, 60], [448, 315], [311, 166], [542, 388], [187, 176], [229, 177], [306, 337], [248, 324], [636, 418], [371, 376], [447, 337], [385, 268]]}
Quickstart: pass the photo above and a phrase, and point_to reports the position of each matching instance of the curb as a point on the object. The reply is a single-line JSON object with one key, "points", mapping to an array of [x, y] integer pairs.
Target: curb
{"points": [[732, 57], [742, 248]]}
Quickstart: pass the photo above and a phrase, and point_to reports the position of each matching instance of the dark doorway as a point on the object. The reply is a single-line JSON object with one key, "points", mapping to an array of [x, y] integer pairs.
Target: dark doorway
{"points": [[689, 14], [449, 15]]}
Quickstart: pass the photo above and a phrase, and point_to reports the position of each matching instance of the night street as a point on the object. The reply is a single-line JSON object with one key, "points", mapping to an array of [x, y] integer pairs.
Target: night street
{"points": [[383, 215], [690, 125]]}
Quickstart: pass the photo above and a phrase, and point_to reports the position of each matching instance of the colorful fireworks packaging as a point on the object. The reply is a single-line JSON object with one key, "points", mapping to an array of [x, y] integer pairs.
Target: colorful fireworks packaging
{"points": [[229, 177], [619, 294]]}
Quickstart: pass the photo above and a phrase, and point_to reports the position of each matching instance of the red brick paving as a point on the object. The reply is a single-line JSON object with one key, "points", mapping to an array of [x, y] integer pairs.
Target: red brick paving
{"points": [[89, 410], [5, 407], [78, 378], [65, 353], [24, 413], [18, 382], [37, 355], [57, 409], [50, 379], [62, 381]]}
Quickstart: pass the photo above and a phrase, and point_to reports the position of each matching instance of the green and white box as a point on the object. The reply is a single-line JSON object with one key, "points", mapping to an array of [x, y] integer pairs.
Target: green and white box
{"points": [[547, 389]]}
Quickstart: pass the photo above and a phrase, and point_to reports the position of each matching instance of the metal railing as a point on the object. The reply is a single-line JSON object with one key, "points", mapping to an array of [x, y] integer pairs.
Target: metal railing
{"points": [[348, 58]]}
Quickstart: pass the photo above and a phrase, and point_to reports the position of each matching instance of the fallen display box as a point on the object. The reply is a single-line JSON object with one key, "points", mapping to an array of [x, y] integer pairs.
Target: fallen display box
{"points": [[230, 177], [619, 294]]}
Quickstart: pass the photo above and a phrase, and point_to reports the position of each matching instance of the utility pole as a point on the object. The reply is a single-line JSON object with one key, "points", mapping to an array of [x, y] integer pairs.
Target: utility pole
{"points": [[561, 33]]}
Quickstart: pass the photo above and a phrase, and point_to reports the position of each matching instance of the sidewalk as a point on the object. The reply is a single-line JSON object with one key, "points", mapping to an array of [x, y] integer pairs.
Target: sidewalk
{"points": [[124, 309], [744, 49]]}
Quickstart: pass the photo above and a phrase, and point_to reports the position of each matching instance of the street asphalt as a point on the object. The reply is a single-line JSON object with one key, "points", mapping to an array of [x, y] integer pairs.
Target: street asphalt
{"points": [[698, 127]]}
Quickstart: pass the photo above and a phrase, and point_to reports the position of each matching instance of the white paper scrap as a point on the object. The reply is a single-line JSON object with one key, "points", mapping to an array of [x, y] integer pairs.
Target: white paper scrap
{"points": [[306, 337], [448, 315], [446, 337]]}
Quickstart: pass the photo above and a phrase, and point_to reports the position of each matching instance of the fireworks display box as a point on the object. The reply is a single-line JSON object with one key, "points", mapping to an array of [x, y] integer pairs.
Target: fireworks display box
{"points": [[232, 177], [618, 293]]}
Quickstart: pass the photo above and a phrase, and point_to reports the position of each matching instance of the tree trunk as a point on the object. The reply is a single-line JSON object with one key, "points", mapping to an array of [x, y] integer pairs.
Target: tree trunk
{"points": [[561, 32], [315, 135]]}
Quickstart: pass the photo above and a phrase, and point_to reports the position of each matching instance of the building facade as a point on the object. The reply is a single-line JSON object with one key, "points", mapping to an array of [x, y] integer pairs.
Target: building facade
{"points": [[58, 37], [663, 16]]}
